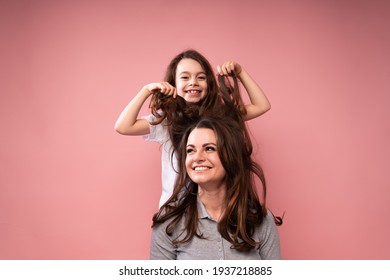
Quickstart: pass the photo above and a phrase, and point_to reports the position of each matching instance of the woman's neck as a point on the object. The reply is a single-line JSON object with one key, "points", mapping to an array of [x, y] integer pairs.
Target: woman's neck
{"points": [[214, 201]]}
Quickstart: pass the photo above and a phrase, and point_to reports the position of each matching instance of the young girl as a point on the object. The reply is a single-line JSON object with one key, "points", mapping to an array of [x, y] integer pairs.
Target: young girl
{"points": [[191, 87]]}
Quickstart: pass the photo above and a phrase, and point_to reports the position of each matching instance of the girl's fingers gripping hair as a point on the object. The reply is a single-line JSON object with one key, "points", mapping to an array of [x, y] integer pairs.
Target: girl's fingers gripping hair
{"points": [[226, 69], [168, 89], [231, 67]]}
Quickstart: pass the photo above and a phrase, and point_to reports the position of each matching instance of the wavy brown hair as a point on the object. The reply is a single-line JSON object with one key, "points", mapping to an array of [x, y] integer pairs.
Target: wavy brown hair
{"points": [[159, 102], [221, 98], [244, 211]]}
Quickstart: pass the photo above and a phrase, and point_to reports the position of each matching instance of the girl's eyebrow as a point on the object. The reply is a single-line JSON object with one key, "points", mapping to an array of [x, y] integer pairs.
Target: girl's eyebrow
{"points": [[188, 72]]}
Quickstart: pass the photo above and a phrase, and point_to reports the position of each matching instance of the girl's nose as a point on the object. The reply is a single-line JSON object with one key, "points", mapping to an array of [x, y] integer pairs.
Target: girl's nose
{"points": [[193, 81]]}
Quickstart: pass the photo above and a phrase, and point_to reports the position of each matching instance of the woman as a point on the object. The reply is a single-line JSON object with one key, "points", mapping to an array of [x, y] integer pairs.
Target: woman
{"points": [[215, 211]]}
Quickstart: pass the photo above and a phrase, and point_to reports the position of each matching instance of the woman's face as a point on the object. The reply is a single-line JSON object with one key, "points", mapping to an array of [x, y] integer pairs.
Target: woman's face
{"points": [[203, 164], [191, 80]]}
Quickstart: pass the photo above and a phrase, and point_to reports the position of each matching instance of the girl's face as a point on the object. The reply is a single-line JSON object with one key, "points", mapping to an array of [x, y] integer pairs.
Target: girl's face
{"points": [[191, 80], [203, 164]]}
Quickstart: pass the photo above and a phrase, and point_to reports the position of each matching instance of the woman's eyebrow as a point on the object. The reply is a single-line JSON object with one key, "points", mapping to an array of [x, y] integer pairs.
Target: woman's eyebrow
{"points": [[211, 143], [203, 145]]}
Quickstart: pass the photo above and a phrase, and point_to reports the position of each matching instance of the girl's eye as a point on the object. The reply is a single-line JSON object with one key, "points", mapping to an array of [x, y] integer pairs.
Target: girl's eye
{"points": [[189, 150], [202, 78], [184, 77]]}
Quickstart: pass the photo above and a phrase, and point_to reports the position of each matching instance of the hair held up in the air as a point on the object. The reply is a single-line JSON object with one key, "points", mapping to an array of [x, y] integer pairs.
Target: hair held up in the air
{"points": [[222, 110]]}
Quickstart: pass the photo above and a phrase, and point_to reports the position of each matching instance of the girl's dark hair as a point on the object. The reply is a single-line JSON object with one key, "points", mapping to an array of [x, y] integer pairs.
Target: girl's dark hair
{"points": [[222, 99], [170, 76], [244, 211]]}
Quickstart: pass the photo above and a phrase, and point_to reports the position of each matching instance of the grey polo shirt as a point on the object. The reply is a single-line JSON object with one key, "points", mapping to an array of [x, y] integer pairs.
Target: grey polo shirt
{"points": [[214, 247]]}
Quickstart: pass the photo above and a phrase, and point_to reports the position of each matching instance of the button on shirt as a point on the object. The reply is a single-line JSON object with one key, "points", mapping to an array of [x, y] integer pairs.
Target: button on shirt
{"points": [[213, 246]]}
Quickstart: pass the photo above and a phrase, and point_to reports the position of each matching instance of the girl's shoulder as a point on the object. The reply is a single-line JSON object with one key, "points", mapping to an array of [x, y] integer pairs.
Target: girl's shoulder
{"points": [[159, 132]]}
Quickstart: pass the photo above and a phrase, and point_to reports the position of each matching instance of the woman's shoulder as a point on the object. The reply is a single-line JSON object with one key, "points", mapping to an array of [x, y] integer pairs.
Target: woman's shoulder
{"points": [[164, 217], [267, 225]]}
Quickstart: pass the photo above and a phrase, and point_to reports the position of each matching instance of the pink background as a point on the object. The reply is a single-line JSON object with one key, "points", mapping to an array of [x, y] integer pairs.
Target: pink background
{"points": [[72, 188]]}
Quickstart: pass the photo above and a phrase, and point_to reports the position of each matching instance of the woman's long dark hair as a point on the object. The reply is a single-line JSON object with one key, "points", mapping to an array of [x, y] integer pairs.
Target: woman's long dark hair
{"points": [[221, 110], [244, 211]]}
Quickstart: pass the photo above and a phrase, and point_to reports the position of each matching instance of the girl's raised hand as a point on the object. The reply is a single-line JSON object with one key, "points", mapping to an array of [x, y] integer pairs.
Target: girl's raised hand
{"points": [[228, 68], [162, 87]]}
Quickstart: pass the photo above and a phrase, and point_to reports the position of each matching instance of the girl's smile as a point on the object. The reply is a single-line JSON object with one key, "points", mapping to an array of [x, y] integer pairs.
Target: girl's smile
{"points": [[191, 81]]}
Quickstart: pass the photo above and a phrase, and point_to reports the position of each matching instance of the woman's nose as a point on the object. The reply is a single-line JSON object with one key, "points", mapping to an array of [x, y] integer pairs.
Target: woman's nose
{"points": [[198, 157]]}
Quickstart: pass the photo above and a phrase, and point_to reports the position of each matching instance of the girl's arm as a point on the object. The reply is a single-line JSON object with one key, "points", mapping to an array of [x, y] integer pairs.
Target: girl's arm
{"points": [[259, 101], [128, 122]]}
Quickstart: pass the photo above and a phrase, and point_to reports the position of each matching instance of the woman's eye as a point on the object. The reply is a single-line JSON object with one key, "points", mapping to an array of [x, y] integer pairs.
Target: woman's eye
{"points": [[189, 151], [211, 148]]}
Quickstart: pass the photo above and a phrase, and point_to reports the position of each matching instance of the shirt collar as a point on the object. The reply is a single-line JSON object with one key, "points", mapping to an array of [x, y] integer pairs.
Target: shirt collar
{"points": [[202, 212]]}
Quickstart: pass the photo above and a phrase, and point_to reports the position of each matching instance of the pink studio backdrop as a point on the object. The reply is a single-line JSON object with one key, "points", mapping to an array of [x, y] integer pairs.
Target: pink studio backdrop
{"points": [[72, 188]]}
